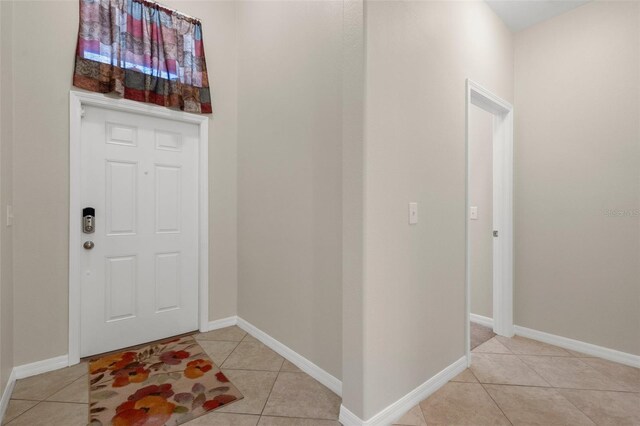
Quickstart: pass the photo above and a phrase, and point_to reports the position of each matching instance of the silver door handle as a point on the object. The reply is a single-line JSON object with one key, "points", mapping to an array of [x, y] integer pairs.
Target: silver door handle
{"points": [[88, 245]]}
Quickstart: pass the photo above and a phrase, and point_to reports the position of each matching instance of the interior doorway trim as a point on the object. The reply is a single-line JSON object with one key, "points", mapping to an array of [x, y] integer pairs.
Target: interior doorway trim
{"points": [[502, 210], [77, 101]]}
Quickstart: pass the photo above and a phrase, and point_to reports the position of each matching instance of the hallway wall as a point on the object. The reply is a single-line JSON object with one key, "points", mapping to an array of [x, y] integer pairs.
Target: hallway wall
{"points": [[6, 178], [577, 175], [41, 167], [290, 175], [418, 57]]}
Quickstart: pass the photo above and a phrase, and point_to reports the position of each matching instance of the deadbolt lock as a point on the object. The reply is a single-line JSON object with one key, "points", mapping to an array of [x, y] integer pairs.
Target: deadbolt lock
{"points": [[88, 220]]}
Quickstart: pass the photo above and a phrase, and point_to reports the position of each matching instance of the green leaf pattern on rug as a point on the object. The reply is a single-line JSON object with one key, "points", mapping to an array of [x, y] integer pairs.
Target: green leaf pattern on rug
{"points": [[200, 399], [180, 409], [103, 394]]}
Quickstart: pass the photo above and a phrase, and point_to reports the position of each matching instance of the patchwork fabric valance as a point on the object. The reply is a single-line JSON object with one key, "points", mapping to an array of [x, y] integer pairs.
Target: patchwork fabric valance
{"points": [[143, 51]]}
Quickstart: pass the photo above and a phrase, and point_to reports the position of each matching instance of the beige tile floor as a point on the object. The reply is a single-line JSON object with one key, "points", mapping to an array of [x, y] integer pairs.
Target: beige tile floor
{"points": [[520, 381], [276, 393], [480, 334]]}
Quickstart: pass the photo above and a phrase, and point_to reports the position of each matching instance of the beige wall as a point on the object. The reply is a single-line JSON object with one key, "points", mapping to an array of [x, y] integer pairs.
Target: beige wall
{"points": [[289, 175], [418, 57], [41, 177], [577, 155], [481, 196], [353, 172], [6, 235]]}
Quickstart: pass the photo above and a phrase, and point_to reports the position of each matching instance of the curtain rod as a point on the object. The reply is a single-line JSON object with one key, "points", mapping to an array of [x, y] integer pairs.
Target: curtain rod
{"points": [[170, 10]]}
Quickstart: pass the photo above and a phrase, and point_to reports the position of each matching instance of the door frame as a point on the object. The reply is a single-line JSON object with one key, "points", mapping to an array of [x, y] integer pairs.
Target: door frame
{"points": [[502, 112], [77, 101]]}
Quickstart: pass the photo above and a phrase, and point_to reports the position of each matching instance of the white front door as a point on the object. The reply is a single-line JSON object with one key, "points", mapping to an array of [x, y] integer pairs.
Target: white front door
{"points": [[140, 278]]}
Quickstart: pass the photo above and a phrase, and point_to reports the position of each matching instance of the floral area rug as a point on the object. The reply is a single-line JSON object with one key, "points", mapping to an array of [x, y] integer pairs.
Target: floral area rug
{"points": [[166, 383]]}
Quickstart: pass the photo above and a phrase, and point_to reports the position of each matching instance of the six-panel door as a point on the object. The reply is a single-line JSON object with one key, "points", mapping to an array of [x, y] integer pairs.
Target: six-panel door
{"points": [[140, 280]]}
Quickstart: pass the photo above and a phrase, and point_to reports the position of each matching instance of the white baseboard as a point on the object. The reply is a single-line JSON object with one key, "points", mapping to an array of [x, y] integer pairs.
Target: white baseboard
{"points": [[6, 394], [399, 408], [479, 319], [295, 358], [578, 346], [28, 370], [221, 323], [62, 361], [39, 367], [347, 418]]}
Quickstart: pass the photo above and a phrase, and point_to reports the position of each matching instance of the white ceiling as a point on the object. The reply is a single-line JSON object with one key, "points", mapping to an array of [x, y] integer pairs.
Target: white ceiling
{"points": [[520, 14]]}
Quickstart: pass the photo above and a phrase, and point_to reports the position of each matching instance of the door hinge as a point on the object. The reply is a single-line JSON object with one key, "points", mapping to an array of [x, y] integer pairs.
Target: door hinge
{"points": [[495, 233], [81, 112]]}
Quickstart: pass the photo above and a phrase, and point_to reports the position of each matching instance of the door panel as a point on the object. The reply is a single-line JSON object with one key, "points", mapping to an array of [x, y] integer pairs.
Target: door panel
{"points": [[140, 280], [167, 203], [121, 197], [167, 281], [120, 287]]}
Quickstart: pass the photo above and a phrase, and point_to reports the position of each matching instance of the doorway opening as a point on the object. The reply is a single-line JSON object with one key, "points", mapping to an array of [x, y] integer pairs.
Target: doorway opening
{"points": [[500, 211]]}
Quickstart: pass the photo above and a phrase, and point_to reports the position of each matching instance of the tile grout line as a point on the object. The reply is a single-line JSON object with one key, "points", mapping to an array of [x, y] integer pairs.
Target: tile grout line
{"points": [[291, 417], [579, 357], [554, 387], [38, 403], [241, 369], [577, 408], [87, 378], [569, 356], [249, 369], [19, 415], [302, 418], [496, 402], [218, 340], [532, 370], [227, 357], [62, 402], [271, 390], [589, 367], [261, 414], [473, 374]]}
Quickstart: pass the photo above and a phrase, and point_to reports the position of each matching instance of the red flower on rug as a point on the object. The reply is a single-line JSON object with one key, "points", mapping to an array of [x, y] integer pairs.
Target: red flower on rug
{"points": [[174, 357], [149, 411], [112, 362], [197, 368], [218, 401], [221, 377], [129, 375]]}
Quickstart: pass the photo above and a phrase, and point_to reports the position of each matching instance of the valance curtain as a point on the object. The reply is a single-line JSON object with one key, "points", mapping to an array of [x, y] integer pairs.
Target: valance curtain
{"points": [[143, 51]]}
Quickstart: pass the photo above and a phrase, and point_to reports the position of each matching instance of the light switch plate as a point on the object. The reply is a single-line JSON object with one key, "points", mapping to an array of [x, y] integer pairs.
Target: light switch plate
{"points": [[9, 216], [473, 213], [413, 213]]}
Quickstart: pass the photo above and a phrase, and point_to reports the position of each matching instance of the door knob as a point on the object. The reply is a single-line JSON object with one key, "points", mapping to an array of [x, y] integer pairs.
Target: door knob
{"points": [[88, 245]]}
